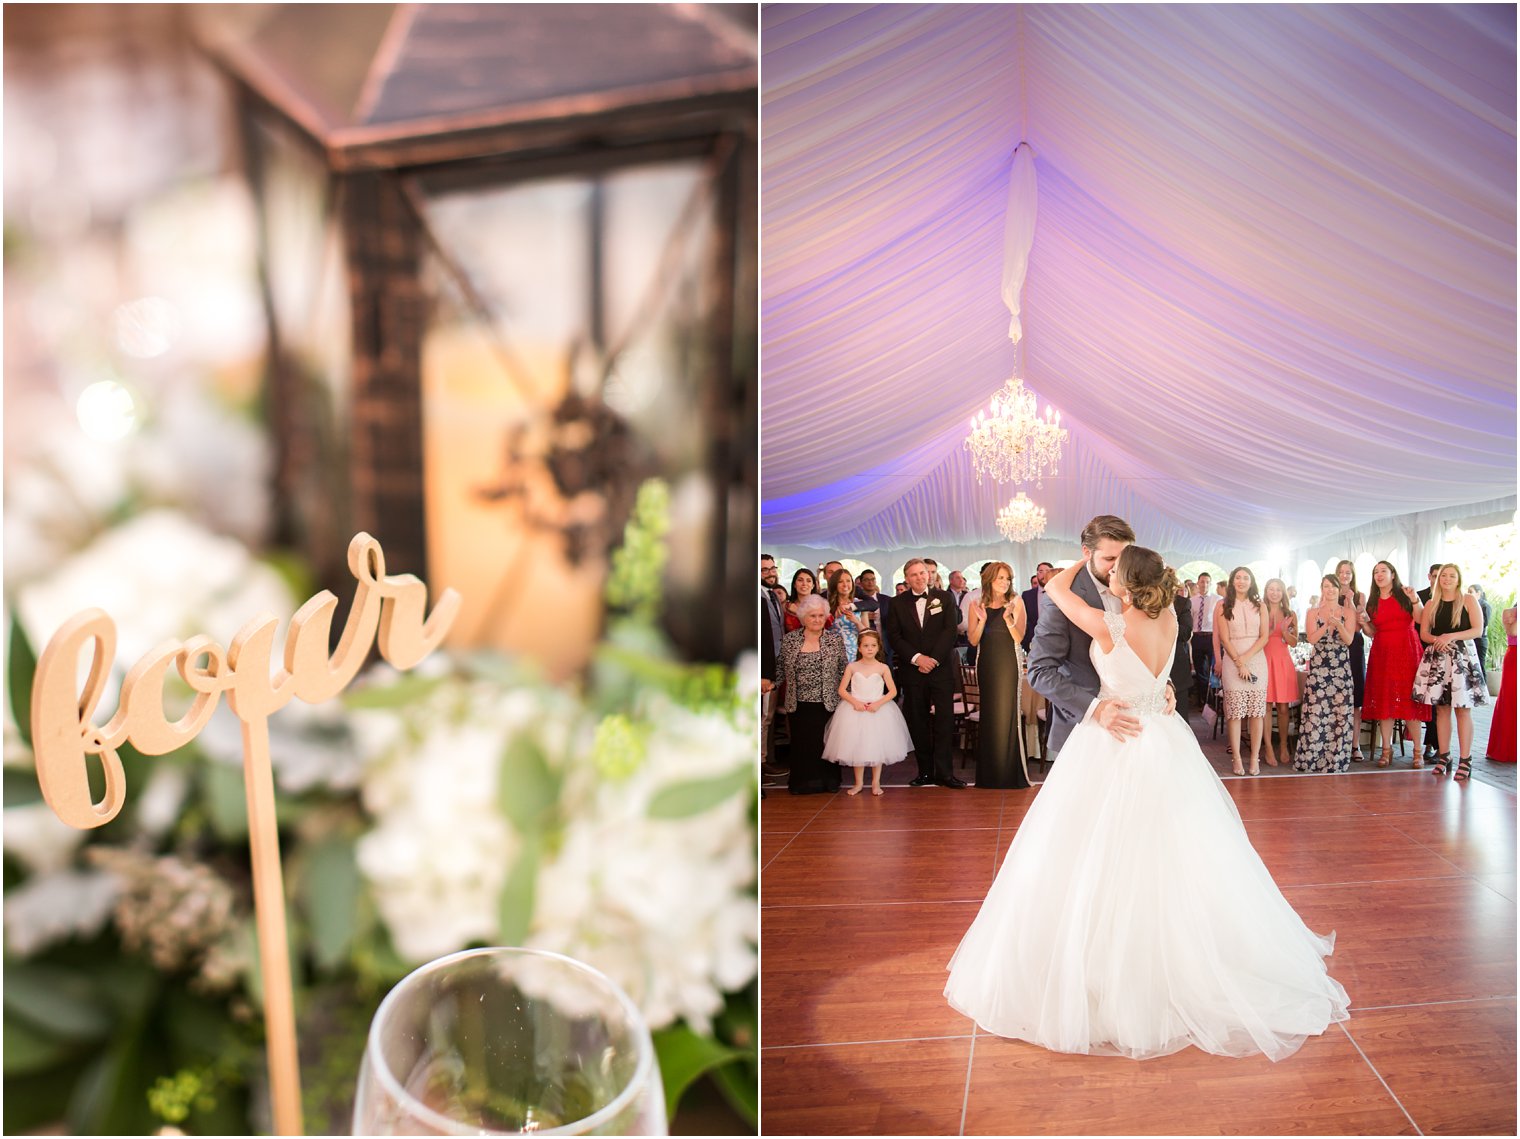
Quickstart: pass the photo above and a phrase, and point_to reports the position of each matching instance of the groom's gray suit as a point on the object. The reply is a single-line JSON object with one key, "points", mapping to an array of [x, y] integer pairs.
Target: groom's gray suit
{"points": [[1060, 663], [1061, 668]]}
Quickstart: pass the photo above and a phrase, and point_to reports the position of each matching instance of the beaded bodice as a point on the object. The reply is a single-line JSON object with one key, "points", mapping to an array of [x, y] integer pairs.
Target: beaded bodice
{"points": [[1122, 675]]}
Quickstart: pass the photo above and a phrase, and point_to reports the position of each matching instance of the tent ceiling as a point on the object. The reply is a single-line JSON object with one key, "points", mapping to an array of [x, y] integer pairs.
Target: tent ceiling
{"points": [[1272, 287]]}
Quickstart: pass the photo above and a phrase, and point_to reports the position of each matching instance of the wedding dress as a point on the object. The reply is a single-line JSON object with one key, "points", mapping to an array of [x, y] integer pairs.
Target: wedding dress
{"points": [[1132, 915]]}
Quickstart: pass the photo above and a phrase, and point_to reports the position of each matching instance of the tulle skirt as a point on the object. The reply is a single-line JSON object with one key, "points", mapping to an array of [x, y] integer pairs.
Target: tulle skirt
{"points": [[1132, 916]]}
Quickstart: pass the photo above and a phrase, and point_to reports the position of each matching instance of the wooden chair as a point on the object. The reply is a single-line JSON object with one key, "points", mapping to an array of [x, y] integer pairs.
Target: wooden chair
{"points": [[968, 709]]}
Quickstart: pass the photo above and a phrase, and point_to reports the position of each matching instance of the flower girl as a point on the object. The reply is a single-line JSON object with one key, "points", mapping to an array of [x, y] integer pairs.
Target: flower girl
{"points": [[867, 729]]}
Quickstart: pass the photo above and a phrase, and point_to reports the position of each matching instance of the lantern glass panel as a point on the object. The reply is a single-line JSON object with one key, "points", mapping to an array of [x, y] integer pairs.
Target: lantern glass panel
{"points": [[592, 284]]}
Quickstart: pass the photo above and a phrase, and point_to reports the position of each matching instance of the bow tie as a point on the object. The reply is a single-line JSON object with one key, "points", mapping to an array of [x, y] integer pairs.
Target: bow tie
{"points": [[919, 596]]}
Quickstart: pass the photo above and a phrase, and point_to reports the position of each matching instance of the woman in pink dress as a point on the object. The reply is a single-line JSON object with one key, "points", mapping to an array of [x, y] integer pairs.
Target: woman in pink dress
{"points": [[1393, 613], [1282, 677], [1501, 734]]}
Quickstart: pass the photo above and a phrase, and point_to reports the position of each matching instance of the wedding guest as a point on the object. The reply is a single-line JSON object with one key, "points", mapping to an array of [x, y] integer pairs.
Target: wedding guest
{"points": [[1327, 718], [1345, 576], [872, 605], [1244, 627], [936, 582], [1183, 610], [1449, 679], [970, 596], [1034, 597], [996, 627], [1392, 616], [842, 616], [867, 729], [958, 591], [1201, 605], [1481, 644], [1428, 747], [830, 568], [812, 663], [902, 587], [1282, 677], [1501, 733], [804, 584], [772, 626], [921, 625]]}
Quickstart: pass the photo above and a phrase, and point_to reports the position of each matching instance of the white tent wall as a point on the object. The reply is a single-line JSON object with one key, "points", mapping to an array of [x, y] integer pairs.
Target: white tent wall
{"points": [[1271, 289]]}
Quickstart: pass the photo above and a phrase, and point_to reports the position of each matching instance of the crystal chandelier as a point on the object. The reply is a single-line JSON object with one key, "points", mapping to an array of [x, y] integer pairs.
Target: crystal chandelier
{"points": [[1014, 444], [1021, 520]]}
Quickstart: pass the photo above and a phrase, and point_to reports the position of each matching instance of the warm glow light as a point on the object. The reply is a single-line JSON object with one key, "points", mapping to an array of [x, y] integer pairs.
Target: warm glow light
{"points": [[1021, 520], [106, 411]]}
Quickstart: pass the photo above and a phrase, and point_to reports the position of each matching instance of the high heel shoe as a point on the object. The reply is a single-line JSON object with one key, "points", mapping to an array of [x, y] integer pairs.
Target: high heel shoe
{"points": [[1256, 766], [1464, 770], [1386, 758], [1236, 769], [1442, 762]]}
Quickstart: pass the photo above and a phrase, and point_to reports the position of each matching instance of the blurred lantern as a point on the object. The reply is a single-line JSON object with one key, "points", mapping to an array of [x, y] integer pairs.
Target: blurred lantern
{"points": [[508, 256]]}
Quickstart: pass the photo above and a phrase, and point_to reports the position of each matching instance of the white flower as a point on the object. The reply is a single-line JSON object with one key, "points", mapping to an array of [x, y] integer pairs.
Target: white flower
{"points": [[664, 907], [56, 905], [38, 838]]}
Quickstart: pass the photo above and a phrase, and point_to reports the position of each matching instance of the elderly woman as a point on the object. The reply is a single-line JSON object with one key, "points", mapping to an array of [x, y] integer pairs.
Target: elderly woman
{"points": [[812, 663]]}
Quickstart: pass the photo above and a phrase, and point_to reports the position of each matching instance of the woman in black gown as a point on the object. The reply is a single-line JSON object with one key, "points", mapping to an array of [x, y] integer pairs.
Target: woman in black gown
{"points": [[995, 624]]}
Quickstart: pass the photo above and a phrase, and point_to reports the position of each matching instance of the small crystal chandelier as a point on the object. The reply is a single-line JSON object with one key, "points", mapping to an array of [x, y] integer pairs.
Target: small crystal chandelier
{"points": [[1021, 520], [1014, 444]]}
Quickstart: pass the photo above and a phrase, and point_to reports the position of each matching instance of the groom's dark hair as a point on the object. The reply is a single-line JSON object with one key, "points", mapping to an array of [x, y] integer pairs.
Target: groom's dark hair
{"points": [[1106, 526]]}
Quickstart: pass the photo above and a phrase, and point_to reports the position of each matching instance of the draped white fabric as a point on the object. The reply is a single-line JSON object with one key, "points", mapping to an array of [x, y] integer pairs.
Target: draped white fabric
{"points": [[1271, 288], [1018, 233]]}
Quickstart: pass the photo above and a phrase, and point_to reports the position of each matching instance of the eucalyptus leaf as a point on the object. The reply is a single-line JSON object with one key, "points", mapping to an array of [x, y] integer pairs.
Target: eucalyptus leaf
{"points": [[693, 796], [518, 895], [226, 800], [20, 673], [408, 689], [57, 1001], [330, 894], [21, 787], [740, 1084], [30, 1049], [684, 1056], [528, 790]]}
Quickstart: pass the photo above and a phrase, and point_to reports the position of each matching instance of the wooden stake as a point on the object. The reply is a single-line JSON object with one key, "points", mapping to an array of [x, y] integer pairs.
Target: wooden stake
{"points": [[274, 948]]}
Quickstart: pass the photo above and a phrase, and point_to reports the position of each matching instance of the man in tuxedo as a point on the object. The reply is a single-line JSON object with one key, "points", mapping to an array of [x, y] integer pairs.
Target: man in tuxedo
{"points": [[921, 626], [1032, 598], [1060, 662]]}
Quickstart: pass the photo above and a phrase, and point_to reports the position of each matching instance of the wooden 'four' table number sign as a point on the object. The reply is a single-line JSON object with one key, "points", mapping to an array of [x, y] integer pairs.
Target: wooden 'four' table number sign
{"points": [[64, 733]]}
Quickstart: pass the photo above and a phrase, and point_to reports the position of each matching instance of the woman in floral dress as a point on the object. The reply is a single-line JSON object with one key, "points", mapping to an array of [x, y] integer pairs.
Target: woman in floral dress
{"points": [[1327, 719], [1449, 678]]}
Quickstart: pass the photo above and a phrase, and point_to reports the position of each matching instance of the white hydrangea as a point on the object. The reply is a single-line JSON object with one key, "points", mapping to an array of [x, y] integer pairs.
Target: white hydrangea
{"points": [[39, 839], [662, 906]]}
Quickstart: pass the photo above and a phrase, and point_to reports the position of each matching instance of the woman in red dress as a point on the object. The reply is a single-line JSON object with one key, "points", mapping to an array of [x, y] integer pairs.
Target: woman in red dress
{"points": [[1501, 733], [1393, 611]]}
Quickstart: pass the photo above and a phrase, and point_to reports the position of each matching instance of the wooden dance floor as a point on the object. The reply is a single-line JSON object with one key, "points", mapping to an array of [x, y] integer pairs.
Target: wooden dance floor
{"points": [[864, 899]]}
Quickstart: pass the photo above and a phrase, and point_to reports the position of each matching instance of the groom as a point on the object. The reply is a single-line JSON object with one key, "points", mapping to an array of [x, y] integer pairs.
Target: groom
{"points": [[921, 624], [1060, 663]]}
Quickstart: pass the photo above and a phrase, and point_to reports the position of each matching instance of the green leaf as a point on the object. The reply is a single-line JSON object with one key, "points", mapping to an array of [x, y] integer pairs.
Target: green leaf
{"points": [[19, 675], [21, 787], [683, 1057], [226, 800], [58, 1001], [518, 895], [29, 1049], [740, 1085], [331, 892], [528, 790], [693, 796], [407, 690]]}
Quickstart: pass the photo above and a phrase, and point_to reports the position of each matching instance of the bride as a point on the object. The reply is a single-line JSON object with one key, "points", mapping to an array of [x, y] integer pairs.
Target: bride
{"points": [[1132, 915]]}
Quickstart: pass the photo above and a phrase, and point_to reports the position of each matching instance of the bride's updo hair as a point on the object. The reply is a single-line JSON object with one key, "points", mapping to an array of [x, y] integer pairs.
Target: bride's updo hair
{"points": [[1150, 583]]}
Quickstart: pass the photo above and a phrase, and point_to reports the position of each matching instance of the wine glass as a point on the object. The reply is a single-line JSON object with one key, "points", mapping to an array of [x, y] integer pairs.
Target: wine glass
{"points": [[501, 1041]]}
